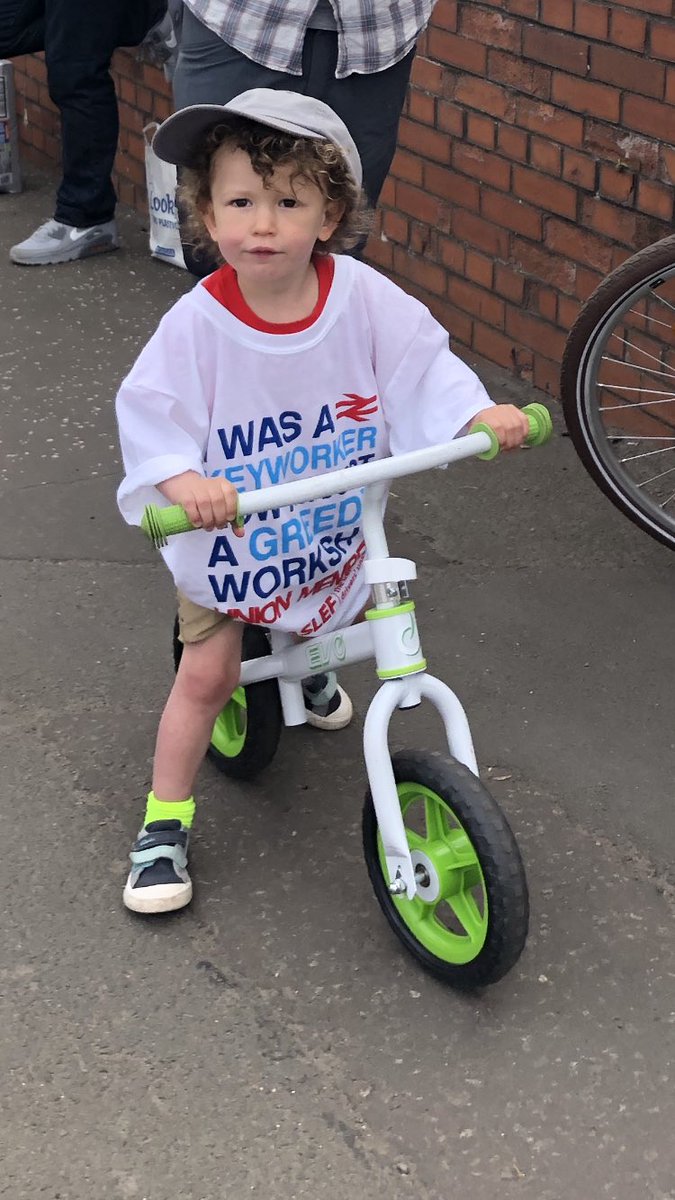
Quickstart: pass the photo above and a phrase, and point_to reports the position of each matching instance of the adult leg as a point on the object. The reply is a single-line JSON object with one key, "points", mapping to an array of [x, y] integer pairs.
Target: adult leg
{"points": [[79, 41], [80, 38], [211, 72], [22, 27], [369, 105]]}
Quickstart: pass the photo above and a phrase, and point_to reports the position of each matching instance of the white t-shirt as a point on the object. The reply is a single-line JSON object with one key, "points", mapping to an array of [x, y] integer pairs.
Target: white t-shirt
{"points": [[372, 376]]}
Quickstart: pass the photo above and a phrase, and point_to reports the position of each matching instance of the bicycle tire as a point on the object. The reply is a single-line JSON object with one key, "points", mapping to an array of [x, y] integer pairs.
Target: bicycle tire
{"points": [[487, 905], [612, 316]]}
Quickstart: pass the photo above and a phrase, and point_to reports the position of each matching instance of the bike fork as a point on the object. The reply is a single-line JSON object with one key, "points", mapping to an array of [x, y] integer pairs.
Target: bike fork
{"points": [[406, 693]]}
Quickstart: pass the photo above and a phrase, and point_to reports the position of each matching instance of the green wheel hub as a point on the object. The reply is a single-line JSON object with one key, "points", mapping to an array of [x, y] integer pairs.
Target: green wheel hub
{"points": [[229, 731], [449, 914]]}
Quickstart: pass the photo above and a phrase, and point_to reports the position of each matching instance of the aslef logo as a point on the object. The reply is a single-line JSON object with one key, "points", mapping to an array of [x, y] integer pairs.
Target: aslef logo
{"points": [[163, 204], [356, 408]]}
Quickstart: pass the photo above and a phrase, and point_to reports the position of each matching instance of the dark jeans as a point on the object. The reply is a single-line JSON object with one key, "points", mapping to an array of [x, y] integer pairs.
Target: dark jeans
{"points": [[211, 72], [79, 38], [22, 27]]}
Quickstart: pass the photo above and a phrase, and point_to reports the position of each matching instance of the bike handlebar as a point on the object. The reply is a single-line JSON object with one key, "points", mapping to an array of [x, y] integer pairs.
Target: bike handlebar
{"points": [[481, 442]]}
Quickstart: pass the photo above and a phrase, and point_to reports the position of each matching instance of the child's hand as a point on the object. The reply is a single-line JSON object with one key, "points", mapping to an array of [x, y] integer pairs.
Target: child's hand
{"points": [[508, 422], [209, 503]]}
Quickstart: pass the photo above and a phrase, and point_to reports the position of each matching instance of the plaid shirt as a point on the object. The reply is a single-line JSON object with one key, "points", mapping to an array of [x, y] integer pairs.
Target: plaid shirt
{"points": [[372, 34]]}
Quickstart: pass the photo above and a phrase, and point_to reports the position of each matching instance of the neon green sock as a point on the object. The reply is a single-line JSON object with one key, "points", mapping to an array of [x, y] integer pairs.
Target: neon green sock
{"points": [[170, 810]]}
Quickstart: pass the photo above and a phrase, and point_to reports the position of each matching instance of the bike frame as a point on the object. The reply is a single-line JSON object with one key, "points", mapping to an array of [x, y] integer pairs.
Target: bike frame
{"points": [[389, 634]]}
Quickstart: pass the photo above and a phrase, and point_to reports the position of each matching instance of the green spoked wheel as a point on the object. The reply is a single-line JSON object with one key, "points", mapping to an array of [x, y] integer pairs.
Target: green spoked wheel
{"points": [[468, 922], [247, 731], [231, 727]]}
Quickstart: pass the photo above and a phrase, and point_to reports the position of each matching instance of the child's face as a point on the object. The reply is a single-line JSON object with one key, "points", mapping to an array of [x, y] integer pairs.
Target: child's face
{"points": [[266, 232]]}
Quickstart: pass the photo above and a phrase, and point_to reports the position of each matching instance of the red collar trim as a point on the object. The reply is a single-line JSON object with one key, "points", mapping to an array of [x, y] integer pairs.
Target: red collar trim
{"points": [[224, 287]]}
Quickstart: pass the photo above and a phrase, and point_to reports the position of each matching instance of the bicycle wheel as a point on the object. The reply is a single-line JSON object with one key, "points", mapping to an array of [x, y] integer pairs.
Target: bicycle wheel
{"points": [[468, 923], [618, 388], [247, 731]]}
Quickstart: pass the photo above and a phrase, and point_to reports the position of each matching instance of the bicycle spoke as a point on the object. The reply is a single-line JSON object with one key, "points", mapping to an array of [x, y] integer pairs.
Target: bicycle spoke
{"points": [[648, 404], [661, 475], [637, 350], [654, 295], [468, 914], [623, 387], [463, 853], [622, 362], [435, 820], [666, 304], [645, 454]]}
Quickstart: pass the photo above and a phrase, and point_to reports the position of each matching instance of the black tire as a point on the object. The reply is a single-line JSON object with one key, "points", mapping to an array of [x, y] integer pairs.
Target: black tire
{"points": [[503, 884], [263, 714], [599, 325]]}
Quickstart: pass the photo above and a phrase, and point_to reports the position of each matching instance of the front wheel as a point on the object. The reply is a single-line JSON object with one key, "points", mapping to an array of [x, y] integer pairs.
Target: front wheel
{"points": [[247, 730], [468, 923], [618, 388]]}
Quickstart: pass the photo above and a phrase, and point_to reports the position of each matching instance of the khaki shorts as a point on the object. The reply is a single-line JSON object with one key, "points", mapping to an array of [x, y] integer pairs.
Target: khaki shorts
{"points": [[196, 624]]}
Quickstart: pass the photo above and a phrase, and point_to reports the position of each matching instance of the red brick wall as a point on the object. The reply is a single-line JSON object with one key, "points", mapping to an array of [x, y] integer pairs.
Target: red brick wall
{"points": [[536, 151], [535, 154]]}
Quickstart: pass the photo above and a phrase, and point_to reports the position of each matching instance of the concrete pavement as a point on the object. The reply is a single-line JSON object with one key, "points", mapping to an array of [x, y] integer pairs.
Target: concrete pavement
{"points": [[273, 1040]]}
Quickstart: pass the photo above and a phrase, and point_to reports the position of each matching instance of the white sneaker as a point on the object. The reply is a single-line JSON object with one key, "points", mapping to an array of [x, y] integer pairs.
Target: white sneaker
{"points": [[55, 242], [158, 881], [327, 705]]}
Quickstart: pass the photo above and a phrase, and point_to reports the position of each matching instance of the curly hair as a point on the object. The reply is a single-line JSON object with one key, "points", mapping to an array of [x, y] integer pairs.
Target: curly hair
{"points": [[313, 159]]}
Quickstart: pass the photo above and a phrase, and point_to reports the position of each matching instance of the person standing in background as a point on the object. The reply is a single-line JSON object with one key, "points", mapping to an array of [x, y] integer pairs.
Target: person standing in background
{"points": [[79, 39], [355, 55]]}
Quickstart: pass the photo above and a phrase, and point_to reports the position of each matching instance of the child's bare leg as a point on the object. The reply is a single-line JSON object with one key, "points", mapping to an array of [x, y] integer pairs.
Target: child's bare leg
{"points": [[207, 676]]}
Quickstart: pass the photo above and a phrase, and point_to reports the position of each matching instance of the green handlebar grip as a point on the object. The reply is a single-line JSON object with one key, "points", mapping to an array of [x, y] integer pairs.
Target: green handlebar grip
{"points": [[160, 523], [541, 428], [541, 425]]}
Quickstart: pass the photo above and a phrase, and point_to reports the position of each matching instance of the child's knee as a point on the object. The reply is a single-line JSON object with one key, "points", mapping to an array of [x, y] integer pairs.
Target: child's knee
{"points": [[209, 671], [208, 688]]}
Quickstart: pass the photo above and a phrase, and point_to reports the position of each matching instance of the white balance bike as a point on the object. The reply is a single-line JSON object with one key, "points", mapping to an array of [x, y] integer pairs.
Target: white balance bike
{"points": [[443, 862]]}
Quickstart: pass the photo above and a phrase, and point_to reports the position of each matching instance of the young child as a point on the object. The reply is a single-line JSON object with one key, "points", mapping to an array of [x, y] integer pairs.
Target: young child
{"points": [[286, 362]]}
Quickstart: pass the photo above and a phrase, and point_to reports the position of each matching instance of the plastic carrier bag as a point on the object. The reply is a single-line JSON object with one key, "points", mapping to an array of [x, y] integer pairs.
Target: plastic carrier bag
{"points": [[160, 178]]}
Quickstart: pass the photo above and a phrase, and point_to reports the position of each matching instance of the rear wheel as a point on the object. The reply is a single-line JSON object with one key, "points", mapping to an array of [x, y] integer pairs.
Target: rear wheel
{"points": [[247, 731], [468, 922]]}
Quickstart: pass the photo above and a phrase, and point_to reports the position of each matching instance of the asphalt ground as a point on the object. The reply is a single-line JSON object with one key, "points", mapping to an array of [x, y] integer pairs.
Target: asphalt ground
{"points": [[274, 1040]]}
